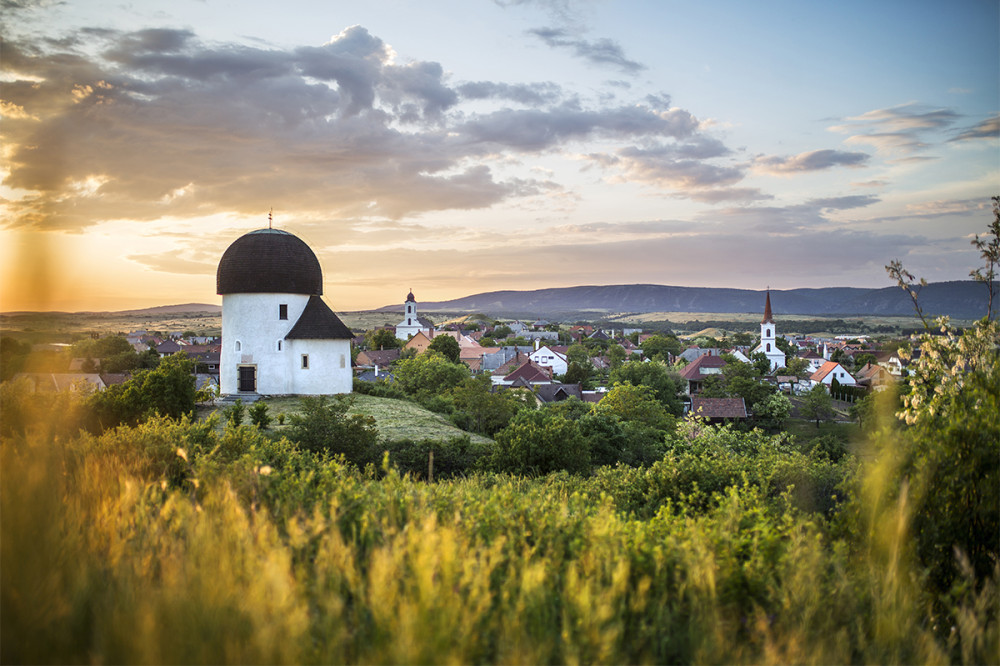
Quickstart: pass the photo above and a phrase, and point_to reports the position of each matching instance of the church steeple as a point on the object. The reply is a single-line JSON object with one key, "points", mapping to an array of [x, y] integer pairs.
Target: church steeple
{"points": [[768, 318]]}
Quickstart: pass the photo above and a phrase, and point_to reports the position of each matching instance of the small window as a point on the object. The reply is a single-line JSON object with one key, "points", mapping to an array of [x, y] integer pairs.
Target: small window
{"points": [[283, 311], [305, 361], [342, 361], [239, 346], [279, 345], [768, 346]]}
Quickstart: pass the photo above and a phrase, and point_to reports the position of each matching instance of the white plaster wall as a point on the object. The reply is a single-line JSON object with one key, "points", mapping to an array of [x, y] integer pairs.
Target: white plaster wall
{"points": [[329, 368], [252, 319]]}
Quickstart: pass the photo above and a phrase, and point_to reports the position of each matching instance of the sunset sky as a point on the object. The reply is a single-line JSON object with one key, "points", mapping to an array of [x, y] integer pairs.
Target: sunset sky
{"points": [[461, 146]]}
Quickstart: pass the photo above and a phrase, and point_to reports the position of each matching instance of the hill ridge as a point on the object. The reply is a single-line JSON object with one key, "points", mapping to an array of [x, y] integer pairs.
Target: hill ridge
{"points": [[964, 299]]}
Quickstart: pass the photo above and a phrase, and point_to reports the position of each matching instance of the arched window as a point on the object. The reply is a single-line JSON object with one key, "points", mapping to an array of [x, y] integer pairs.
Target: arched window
{"points": [[239, 346], [768, 346], [767, 332]]}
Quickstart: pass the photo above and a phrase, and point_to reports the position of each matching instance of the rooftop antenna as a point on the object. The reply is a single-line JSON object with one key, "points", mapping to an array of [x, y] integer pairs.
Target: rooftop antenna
{"points": [[270, 215]]}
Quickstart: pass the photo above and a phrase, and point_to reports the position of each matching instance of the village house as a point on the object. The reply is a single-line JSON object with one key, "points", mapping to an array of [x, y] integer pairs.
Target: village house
{"points": [[696, 372], [832, 370], [719, 410], [875, 377], [548, 357]]}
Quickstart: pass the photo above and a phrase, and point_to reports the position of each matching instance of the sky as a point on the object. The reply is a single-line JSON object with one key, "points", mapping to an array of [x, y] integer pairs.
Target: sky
{"points": [[454, 147]]}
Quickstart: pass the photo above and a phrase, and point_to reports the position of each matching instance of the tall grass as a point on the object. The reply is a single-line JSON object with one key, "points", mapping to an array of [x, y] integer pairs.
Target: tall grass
{"points": [[172, 542]]}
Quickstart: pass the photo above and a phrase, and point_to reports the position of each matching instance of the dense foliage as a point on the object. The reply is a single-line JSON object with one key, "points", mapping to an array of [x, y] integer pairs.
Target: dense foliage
{"points": [[169, 540]]}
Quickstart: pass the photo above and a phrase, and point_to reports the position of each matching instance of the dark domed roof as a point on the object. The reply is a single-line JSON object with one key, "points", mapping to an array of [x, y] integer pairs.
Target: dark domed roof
{"points": [[411, 298], [269, 261]]}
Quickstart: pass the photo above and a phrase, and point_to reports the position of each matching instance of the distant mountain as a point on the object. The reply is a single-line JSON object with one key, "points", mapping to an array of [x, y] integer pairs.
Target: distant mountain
{"points": [[960, 299], [174, 309]]}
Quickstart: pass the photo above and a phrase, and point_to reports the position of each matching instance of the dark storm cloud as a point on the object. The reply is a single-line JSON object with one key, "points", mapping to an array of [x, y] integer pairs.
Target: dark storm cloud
{"points": [[816, 160], [600, 51]]}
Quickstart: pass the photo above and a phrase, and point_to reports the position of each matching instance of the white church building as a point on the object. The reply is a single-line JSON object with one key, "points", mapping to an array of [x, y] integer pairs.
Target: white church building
{"points": [[768, 333], [412, 323], [278, 335]]}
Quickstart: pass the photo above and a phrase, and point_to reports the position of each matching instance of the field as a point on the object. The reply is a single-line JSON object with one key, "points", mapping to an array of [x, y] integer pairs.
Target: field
{"points": [[64, 327]]}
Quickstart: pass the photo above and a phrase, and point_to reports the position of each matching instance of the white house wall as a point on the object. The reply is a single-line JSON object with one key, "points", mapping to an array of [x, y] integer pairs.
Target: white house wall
{"points": [[251, 332]]}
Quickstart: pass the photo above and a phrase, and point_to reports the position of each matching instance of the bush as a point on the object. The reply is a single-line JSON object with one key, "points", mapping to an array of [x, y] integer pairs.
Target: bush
{"points": [[454, 457], [167, 390], [325, 427], [539, 442], [234, 414], [258, 414], [379, 389]]}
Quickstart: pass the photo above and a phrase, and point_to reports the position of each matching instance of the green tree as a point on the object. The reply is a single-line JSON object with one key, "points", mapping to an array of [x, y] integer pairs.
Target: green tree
{"points": [[616, 356], [168, 390], [382, 338], [429, 374], [658, 347], [666, 385], [325, 426], [447, 346], [760, 361], [636, 403], [817, 404], [989, 250], [578, 373], [579, 354], [479, 410], [795, 366], [539, 442], [770, 412]]}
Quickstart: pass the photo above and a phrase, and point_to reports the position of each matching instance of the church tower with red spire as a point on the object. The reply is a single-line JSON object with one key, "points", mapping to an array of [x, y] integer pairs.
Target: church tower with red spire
{"points": [[768, 333]]}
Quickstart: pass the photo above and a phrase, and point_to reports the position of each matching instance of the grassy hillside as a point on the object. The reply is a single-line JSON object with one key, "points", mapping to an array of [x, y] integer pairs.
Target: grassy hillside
{"points": [[395, 419]]}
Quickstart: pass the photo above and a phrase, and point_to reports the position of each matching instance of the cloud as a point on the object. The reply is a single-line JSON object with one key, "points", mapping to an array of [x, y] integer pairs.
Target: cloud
{"points": [[900, 129], [531, 94], [816, 160], [987, 129], [599, 52], [844, 203], [535, 130], [338, 129], [729, 195], [679, 165]]}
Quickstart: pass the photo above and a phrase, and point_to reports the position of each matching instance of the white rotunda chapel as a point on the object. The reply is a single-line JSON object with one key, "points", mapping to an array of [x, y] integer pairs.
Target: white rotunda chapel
{"points": [[278, 335]]}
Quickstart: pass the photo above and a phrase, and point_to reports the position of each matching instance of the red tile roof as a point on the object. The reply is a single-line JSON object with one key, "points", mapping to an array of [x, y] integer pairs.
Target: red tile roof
{"points": [[693, 370], [824, 370], [719, 408]]}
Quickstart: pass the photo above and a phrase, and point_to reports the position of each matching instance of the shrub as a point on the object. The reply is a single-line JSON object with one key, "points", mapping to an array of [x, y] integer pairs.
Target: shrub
{"points": [[539, 442], [234, 414], [324, 426], [258, 414]]}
